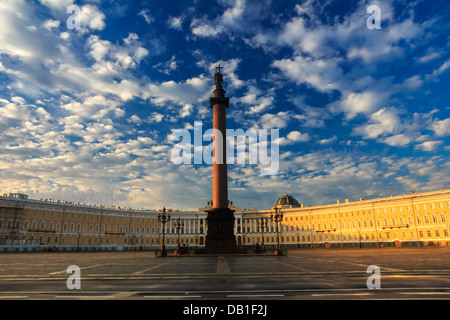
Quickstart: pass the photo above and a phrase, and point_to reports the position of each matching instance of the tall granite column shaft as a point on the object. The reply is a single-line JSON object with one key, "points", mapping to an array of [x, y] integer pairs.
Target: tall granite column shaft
{"points": [[220, 175], [220, 238]]}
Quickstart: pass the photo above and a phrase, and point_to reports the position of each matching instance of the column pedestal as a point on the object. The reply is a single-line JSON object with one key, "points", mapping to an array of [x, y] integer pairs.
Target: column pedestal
{"points": [[220, 237]]}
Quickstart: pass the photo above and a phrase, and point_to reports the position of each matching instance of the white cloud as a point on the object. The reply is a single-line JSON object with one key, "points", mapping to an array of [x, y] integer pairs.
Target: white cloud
{"points": [[231, 19], [190, 91], [99, 48], [93, 107], [294, 137], [147, 17], [437, 72], [92, 17], [398, 140], [186, 110], [257, 102], [65, 35], [168, 66], [50, 24], [59, 5], [413, 82], [298, 136], [428, 145], [17, 39], [430, 55], [275, 121], [321, 74], [204, 30], [382, 122], [441, 127], [328, 140], [135, 119], [355, 103], [18, 100], [155, 117], [175, 23]]}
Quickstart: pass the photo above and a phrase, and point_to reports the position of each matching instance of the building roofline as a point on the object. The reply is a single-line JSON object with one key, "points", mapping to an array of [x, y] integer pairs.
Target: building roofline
{"points": [[339, 204], [363, 201]]}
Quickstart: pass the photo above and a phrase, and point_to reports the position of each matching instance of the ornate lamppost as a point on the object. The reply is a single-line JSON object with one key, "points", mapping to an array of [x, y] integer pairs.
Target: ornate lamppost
{"points": [[262, 224], [163, 218], [78, 240], [277, 218], [360, 239], [178, 226]]}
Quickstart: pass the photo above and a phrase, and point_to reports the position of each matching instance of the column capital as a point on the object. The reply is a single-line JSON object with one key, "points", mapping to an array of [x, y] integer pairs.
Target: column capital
{"points": [[219, 100]]}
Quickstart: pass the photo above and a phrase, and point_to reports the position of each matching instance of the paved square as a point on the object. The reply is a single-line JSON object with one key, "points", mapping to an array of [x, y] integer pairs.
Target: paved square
{"points": [[302, 274]]}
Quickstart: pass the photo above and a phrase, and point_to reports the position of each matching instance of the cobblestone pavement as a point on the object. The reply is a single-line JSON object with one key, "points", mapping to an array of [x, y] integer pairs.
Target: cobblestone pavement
{"points": [[138, 264], [302, 274]]}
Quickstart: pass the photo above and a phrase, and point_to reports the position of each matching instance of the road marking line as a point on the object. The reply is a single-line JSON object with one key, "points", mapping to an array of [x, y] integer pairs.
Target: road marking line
{"points": [[84, 297], [253, 295], [425, 293], [340, 294], [171, 297], [13, 297]]}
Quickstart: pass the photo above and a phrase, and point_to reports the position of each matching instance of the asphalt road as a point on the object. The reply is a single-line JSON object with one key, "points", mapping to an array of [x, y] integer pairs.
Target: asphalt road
{"points": [[308, 274]]}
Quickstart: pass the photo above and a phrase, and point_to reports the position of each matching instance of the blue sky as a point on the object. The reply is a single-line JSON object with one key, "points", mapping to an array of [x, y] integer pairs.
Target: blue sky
{"points": [[86, 114]]}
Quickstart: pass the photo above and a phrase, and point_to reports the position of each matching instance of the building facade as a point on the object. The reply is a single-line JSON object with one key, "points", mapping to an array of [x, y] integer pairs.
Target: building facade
{"points": [[419, 219]]}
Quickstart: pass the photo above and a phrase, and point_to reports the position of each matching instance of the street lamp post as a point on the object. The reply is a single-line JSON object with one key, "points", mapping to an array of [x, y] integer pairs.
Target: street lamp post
{"points": [[78, 240], [360, 239], [277, 218], [178, 226], [163, 218], [262, 225]]}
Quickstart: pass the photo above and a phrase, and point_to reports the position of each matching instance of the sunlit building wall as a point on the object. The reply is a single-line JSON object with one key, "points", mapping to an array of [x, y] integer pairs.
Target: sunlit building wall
{"points": [[419, 219]]}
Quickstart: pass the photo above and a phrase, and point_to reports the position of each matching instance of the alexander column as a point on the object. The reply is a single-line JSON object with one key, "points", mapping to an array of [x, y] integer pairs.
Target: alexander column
{"points": [[220, 219]]}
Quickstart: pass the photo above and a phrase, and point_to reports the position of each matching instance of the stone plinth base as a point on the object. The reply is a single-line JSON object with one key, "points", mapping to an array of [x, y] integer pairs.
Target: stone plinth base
{"points": [[220, 238]]}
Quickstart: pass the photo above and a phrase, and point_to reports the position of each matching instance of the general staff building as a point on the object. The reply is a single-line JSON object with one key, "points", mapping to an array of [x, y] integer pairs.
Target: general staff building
{"points": [[417, 219]]}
